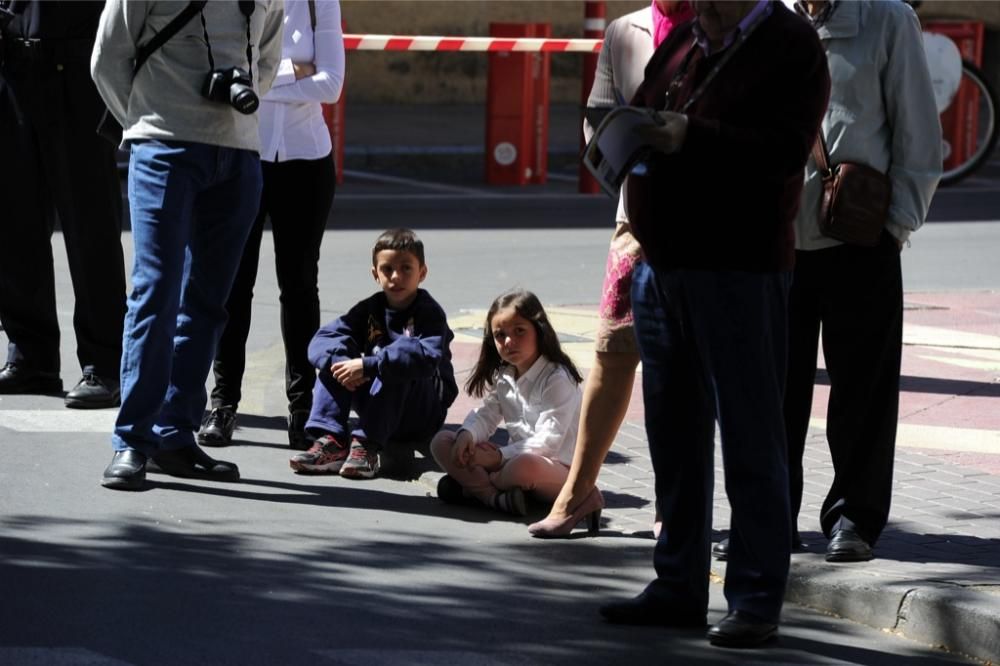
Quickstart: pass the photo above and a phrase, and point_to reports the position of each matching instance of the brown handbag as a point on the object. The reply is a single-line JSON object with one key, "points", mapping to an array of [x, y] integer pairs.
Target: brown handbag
{"points": [[855, 203]]}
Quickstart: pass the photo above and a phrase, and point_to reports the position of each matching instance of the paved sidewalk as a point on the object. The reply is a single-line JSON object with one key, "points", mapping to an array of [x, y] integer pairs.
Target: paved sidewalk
{"points": [[935, 577]]}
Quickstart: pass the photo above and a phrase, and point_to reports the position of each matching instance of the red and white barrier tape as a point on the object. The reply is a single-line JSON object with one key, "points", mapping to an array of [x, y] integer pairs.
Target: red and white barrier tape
{"points": [[489, 44]]}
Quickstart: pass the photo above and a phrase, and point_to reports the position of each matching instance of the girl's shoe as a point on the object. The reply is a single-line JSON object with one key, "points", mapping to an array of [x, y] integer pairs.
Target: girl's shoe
{"points": [[511, 501], [589, 508], [450, 491]]}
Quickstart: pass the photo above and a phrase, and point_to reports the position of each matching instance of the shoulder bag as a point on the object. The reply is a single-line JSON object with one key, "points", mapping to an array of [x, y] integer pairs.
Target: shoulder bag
{"points": [[854, 205]]}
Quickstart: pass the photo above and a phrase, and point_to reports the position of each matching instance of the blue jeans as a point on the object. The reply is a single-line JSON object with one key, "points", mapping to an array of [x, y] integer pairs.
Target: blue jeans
{"points": [[192, 207], [408, 410], [713, 347]]}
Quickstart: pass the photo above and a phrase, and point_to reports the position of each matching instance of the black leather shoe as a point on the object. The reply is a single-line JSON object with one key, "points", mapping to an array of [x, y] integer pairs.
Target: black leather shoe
{"points": [[193, 463], [298, 438], [644, 610], [93, 392], [847, 546], [741, 630], [16, 379], [127, 471], [217, 429]]}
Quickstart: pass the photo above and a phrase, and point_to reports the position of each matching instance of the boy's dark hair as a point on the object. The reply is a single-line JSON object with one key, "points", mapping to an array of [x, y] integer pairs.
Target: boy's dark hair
{"points": [[528, 306], [399, 239]]}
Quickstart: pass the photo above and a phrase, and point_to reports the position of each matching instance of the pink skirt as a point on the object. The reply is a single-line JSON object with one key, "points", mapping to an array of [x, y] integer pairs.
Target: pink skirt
{"points": [[615, 332]]}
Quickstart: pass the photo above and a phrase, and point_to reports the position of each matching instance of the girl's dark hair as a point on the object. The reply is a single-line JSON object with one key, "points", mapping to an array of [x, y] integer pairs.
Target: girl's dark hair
{"points": [[528, 306]]}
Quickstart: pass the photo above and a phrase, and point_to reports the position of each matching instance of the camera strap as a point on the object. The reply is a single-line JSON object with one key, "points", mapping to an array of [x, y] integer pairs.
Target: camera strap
{"points": [[160, 38], [246, 8]]}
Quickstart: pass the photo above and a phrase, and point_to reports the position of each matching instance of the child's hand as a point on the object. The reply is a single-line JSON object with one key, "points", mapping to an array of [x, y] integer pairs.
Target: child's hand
{"points": [[464, 449], [350, 373], [486, 456]]}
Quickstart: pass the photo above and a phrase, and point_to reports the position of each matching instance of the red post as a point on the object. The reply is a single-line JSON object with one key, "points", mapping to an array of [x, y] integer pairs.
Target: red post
{"points": [[540, 74], [594, 13], [517, 97], [333, 114]]}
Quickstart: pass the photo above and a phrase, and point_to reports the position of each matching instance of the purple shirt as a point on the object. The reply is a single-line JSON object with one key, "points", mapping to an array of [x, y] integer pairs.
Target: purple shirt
{"points": [[761, 10]]}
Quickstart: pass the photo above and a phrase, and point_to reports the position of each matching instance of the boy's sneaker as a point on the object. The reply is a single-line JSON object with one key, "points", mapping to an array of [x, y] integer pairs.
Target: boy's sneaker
{"points": [[217, 428], [326, 455], [361, 463]]}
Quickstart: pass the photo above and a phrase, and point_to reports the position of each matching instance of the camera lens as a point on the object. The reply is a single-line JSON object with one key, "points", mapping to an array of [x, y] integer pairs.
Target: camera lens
{"points": [[243, 98]]}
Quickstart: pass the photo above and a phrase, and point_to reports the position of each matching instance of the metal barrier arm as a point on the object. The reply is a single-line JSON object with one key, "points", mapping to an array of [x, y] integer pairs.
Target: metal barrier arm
{"points": [[469, 44]]}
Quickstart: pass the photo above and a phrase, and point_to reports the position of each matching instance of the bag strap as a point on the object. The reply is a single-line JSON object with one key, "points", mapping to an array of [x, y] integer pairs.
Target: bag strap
{"points": [[820, 153], [312, 16], [160, 38]]}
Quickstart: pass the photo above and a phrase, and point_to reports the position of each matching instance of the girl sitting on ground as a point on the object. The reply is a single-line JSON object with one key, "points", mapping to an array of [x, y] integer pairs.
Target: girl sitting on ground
{"points": [[528, 383]]}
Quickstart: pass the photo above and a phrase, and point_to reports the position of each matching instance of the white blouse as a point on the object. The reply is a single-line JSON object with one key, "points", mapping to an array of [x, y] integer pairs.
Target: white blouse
{"points": [[540, 409], [291, 118]]}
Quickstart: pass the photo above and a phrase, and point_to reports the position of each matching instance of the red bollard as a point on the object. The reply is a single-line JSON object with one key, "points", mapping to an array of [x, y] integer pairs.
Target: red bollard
{"points": [[517, 99], [333, 114], [540, 74], [594, 12]]}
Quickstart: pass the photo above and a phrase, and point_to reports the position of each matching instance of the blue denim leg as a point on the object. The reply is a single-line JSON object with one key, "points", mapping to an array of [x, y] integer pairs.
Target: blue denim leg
{"points": [[713, 347], [386, 411], [192, 206], [331, 407], [680, 429], [399, 410], [740, 321]]}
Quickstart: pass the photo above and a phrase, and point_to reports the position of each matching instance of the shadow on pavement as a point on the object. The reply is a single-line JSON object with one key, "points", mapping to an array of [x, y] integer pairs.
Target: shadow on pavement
{"points": [[163, 594]]}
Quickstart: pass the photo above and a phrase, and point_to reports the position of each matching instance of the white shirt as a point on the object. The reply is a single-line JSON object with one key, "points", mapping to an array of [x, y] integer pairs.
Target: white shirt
{"points": [[540, 409], [291, 115]]}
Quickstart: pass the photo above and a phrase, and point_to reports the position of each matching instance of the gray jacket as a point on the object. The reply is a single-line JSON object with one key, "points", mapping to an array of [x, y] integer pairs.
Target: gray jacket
{"points": [[882, 113], [164, 100], [621, 65]]}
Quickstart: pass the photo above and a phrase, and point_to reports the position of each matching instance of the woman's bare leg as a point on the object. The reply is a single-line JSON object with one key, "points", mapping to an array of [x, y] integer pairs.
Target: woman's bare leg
{"points": [[606, 397]]}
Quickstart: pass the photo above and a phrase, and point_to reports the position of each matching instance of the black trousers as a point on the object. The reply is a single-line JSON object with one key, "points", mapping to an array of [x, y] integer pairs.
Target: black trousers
{"points": [[297, 196], [856, 295], [53, 164]]}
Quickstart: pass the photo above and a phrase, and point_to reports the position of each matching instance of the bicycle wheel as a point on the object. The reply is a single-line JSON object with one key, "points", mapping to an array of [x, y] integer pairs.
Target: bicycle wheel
{"points": [[972, 118]]}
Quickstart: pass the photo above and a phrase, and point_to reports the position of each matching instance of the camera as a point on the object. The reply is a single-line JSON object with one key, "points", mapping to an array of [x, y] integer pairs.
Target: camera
{"points": [[231, 86]]}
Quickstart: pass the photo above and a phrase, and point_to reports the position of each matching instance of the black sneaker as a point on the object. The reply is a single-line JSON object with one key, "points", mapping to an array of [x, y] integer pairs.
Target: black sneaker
{"points": [[511, 501], [450, 491], [93, 392], [217, 429], [16, 379]]}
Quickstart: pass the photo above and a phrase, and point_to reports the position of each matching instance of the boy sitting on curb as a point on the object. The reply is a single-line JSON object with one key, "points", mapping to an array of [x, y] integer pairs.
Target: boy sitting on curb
{"points": [[388, 358]]}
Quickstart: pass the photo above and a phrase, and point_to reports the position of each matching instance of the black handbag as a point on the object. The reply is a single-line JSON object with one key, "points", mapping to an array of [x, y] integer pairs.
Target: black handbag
{"points": [[855, 203], [108, 126]]}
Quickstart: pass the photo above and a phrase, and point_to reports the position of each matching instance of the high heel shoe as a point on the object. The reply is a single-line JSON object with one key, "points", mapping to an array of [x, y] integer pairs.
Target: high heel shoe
{"points": [[589, 508]]}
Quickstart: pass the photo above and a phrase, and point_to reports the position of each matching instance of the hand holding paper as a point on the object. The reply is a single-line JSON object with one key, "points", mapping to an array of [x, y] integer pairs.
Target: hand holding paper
{"points": [[668, 135]]}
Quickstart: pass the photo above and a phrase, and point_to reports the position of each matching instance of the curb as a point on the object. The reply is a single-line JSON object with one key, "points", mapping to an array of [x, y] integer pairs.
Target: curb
{"points": [[958, 619], [961, 620]]}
